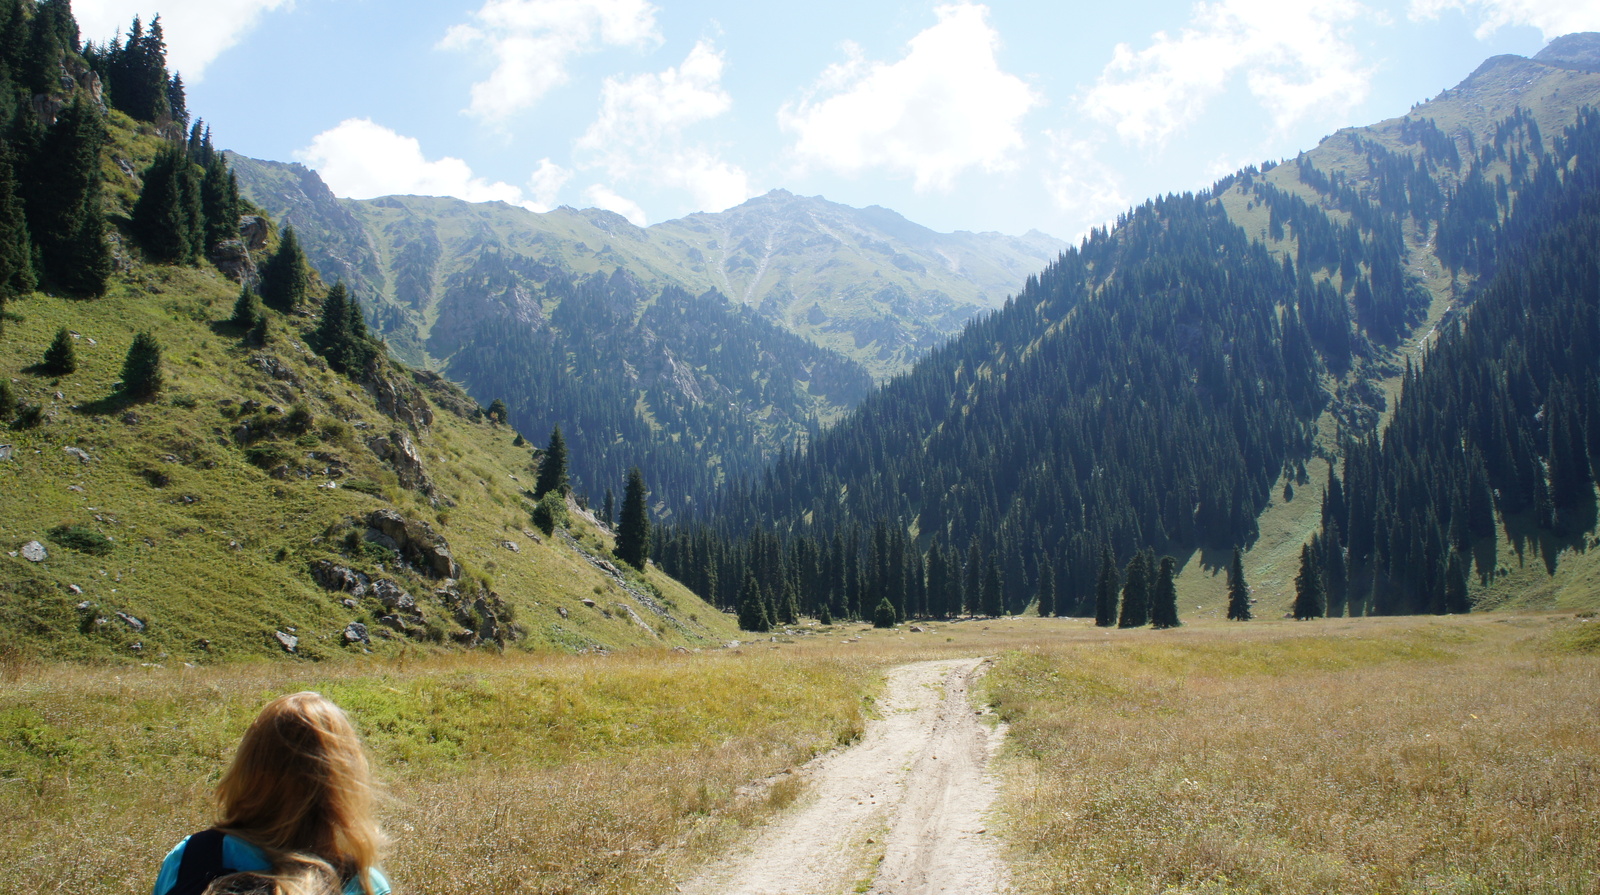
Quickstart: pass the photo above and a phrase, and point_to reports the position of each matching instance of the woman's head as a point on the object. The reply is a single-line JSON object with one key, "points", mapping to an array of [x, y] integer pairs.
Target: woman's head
{"points": [[300, 784]]}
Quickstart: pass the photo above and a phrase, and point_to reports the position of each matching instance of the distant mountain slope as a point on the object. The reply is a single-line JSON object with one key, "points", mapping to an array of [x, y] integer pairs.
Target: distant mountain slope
{"points": [[864, 282], [1078, 418]]}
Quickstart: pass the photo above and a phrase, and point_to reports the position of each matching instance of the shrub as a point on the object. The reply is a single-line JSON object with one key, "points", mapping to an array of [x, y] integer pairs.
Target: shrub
{"points": [[29, 416], [60, 359], [550, 512], [267, 456], [8, 401], [299, 419], [883, 616], [81, 539], [365, 486]]}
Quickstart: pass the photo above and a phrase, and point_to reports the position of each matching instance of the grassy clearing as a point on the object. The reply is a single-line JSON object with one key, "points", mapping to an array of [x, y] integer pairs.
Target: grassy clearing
{"points": [[551, 774], [1360, 756]]}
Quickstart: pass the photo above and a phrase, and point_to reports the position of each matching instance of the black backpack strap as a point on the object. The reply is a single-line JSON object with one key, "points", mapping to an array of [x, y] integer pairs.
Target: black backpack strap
{"points": [[200, 864]]}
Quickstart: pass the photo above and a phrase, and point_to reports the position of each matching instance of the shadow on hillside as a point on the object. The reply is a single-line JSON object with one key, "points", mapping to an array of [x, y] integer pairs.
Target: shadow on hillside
{"points": [[1571, 532], [116, 402]]}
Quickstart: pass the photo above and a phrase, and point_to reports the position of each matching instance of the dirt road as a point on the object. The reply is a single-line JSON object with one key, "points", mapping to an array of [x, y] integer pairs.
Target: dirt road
{"points": [[902, 810]]}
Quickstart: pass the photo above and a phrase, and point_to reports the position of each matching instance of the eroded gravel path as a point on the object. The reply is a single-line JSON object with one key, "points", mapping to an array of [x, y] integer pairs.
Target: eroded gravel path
{"points": [[904, 808]]}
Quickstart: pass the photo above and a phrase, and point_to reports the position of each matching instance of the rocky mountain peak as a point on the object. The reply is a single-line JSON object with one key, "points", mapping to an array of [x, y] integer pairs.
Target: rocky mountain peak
{"points": [[1578, 50]]}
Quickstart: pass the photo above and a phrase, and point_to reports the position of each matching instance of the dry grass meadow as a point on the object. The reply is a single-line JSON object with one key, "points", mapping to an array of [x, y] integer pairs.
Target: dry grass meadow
{"points": [[1370, 756]]}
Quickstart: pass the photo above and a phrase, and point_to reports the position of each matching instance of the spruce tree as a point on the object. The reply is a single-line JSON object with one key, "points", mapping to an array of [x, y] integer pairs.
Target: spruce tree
{"points": [[1136, 594], [61, 194], [247, 309], [497, 411], [167, 219], [284, 279], [753, 607], [633, 529], [1308, 596], [993, 589], [608, 509], [17, 277], [1047, 589], [1238, 590], [60, 359], [341, 335], [141, 372], [553, 468], [1107, 584], [1164, 603], [8, 401]]}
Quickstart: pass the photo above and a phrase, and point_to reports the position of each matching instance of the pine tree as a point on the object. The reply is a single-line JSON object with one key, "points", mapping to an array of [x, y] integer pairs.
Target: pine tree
{"points": [[284, 280], [1107, 584], [1136, 594], [60, 359], [61, 194], [1308, 596], [824, 614], [1238, 590], [633, 529], [142, 378], [8, 401], [553, 468], [608, 509], [753, 607], [497, 411], [1047, 589], [1164, 603], [341, 335]]}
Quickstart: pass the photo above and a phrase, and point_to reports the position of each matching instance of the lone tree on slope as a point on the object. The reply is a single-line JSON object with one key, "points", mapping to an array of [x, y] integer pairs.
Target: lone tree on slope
{"points": [[633, 529], [1238, 590], [553, 468]]}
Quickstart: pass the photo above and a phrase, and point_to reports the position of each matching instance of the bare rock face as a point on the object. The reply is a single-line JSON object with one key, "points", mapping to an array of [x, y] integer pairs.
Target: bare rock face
{"points": [[400, 452], [253, 231], [419, 543], [232, 257], [398, 399]]}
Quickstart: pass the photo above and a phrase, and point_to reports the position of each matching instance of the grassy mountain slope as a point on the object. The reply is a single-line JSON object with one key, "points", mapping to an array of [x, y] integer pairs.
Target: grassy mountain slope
{"points": [[204, 545]]}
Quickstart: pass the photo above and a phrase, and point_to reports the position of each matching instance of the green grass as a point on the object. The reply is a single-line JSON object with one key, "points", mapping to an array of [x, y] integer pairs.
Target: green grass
{"points": [[209, 539]]}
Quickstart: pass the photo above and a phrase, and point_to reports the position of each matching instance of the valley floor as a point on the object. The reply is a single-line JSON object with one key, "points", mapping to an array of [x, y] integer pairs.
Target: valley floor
{"points": [[1344, 756]]}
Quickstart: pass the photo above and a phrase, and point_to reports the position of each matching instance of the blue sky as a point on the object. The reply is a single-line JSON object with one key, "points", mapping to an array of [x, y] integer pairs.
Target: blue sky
{"points": [[1004, 116]]}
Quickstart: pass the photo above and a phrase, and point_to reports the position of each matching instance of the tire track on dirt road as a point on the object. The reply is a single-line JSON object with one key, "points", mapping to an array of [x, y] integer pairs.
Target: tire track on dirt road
{"points": [[914, 791]]}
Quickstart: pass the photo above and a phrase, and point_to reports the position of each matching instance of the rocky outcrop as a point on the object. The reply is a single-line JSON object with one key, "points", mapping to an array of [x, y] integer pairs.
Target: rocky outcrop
{"points": [[447, 394], [400, 452], [232, 258], [398, 399], [417, 542], [253, 230], [331, 576]]}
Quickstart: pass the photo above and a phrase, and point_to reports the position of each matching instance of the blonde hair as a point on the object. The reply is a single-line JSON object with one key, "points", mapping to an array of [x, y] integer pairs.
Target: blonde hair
{"points": [[300, 789], [307, 879]]}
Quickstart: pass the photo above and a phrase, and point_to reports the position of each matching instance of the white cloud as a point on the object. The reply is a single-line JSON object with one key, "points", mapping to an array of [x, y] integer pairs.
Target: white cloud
{"points": [[639, 133], [546, 184], [359, 159], [604, 197], [1080, 183], [1553, 18], [197, 31], [1295, 59], [943, 108], [532, 41]]}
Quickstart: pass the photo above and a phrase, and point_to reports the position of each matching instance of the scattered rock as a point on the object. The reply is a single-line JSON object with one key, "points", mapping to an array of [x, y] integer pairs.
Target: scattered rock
{"points": [[130, 621], [561, 611], [5, 452], [417, 542], [75, 590], [399, 400], [356, 632], [75, 488], [81, 454], [33, 551], [130, 419], [916, 629], [680, 649], [588, 602], [203, 644], [138, 646], [274, 367], [349, 603], [392, 596], [332, 576], [511, 545], [289, 642], [391, 621]]}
